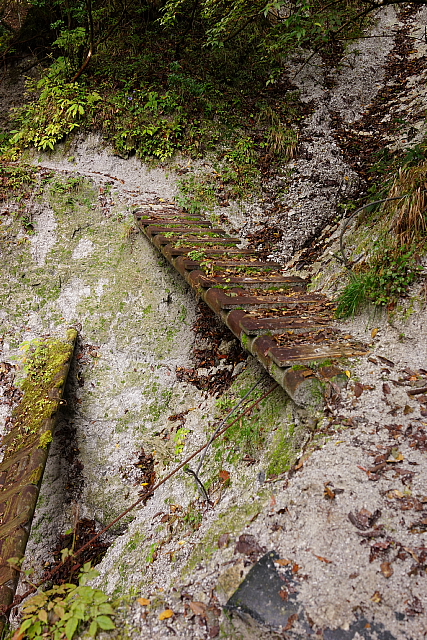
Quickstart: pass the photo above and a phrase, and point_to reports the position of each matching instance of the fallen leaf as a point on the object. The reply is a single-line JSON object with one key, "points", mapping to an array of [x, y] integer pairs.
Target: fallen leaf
{"points": [[414, 606], [291, 620], [397, 456], [224, 475], [386, 569], [296, 568], [214, 631], [374, 332], [364, 519], [283, 562], [417, 391], [378, 549], [348, 374], [408, 409], [223, 540], [248, 545], [386, 388], [329, 493], [199, 608], [395, 493], [386, 361], [143, 601], [377, 597], [358, 389], [168, 613], [323, 559]]}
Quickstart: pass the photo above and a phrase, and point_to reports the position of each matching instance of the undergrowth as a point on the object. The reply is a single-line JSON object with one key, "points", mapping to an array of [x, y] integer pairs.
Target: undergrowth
{"points": [[64, 610], [394, 260]]}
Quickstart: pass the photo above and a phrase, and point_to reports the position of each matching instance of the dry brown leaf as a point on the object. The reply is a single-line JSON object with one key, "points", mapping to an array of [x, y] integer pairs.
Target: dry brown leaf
{"points": [[374, 332], [291, 621], [224, 475], [387, 569], [358, 389], [143, 601], [168, 613], [283, 562], [199, 608], [395, 493], [223, 540], [386, 388], [329, 493], [377, 597], [323, 559]]}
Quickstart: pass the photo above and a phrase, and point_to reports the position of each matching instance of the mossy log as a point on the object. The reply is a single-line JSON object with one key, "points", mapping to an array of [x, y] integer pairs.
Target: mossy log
{"points": [[46, 364]]}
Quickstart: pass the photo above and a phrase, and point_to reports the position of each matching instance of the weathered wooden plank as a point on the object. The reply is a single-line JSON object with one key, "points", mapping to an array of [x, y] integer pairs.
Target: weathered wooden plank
{"points": [[288, 356], [27, 447]]}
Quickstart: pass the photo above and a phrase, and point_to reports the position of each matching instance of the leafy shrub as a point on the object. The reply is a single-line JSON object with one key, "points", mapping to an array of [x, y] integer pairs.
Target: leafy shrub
{"points": [[150, 123], [60, 108], [65, 609]]}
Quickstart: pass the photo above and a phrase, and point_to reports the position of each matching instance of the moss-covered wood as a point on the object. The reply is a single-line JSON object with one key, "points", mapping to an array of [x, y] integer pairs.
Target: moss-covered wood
{"points": [[46, 363]]}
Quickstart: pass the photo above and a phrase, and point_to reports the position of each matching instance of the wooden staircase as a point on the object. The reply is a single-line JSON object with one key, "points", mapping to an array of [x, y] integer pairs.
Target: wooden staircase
{"points": [[270, 311]]}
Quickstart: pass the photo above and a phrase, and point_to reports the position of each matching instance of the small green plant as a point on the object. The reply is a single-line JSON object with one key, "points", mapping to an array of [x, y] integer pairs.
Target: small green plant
{"points": [[152, 554], [179, 439], [208, 266], [64, 610], [354, 296], [193, 517], [389, 274], [197, 255]]}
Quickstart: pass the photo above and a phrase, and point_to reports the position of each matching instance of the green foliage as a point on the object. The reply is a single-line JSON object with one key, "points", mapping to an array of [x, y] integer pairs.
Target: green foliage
{"points": [[197, 193], [60, 108], [67, 609], [152, 553], [15, 180], [355, 295], [179, 439], [400, 225], [389, 274], [193, 517], [197, 255], [150, 123]]}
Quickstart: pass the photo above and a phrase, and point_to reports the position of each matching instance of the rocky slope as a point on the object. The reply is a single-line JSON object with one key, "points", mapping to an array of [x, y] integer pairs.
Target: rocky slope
{"points": [[153, 374]]}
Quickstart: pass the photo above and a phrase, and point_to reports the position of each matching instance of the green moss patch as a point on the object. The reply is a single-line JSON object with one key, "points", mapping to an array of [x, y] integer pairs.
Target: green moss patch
{"points": [[45, 379]]}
